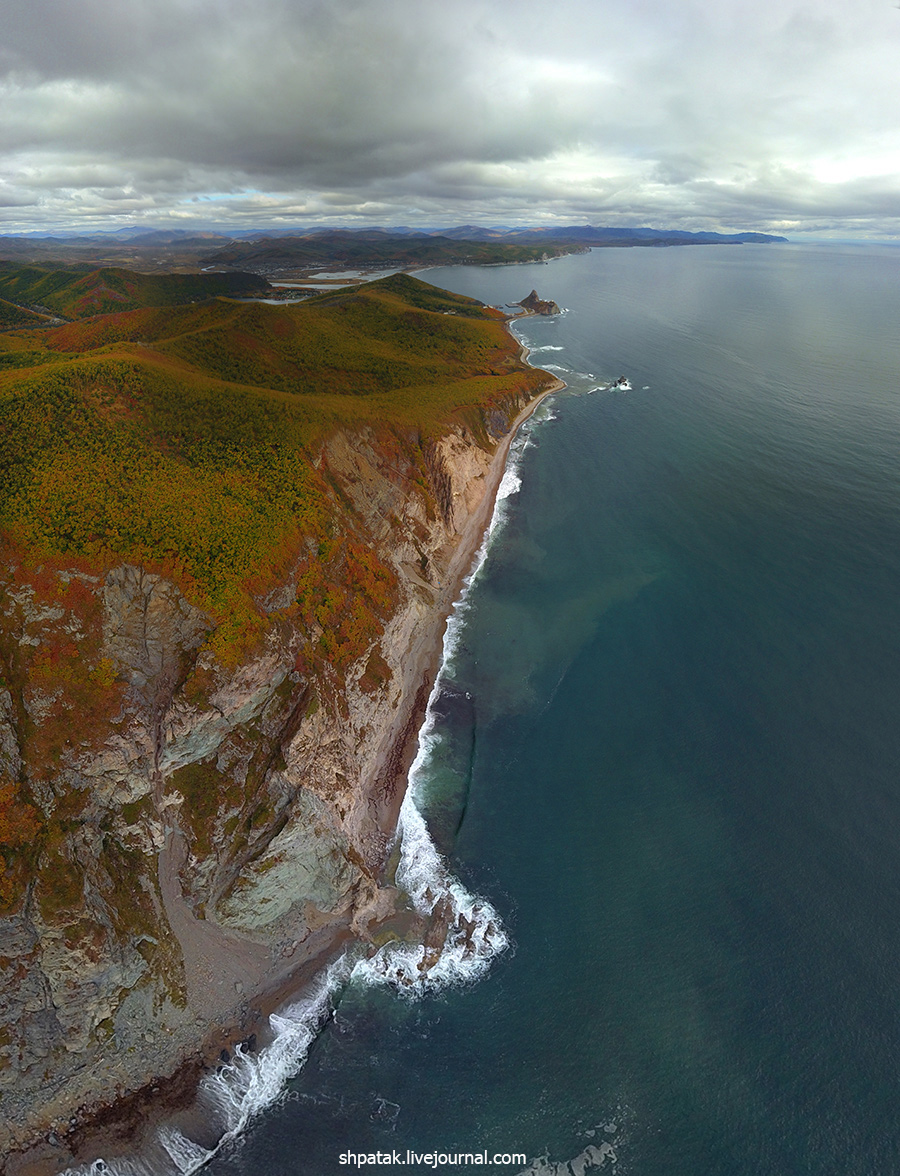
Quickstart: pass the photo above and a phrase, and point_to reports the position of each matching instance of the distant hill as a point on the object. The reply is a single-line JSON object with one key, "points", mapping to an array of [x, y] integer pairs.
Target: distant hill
{"points": [[476, 233], [375, 247], [120, 236], [13, 317], [268, 251], [139, 247], [75, 294], [632, 235], [464, 245]]}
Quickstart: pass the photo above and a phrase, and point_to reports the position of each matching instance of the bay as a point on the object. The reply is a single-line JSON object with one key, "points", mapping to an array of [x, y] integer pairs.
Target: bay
{"points": [[666, 749]]}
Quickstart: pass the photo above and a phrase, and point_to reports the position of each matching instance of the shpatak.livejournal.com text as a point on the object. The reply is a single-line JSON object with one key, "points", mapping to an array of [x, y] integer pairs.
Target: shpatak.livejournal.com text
{"points": [[430, 1159]]}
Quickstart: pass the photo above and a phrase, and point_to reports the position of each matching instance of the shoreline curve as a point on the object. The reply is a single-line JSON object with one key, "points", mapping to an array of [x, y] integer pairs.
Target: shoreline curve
{"points": [[118, 1127]]}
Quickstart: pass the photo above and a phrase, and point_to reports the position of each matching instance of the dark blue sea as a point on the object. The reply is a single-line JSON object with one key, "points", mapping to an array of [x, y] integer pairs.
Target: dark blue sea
{"points": [[666, 749]]}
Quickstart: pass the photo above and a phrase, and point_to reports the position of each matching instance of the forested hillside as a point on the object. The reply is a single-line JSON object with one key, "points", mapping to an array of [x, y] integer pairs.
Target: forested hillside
{"points": [[187, 441], [76, 293]]}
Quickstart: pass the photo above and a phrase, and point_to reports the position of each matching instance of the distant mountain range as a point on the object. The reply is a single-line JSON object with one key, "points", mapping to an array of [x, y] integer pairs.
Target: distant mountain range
{"points": [[626, 233], [136, 235], [291, 250], [587, 234], [467, 245]]}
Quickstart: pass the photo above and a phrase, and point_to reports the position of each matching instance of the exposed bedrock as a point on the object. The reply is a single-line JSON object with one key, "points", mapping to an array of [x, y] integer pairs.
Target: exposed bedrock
{"points": [[537, 305], [218, 823]]}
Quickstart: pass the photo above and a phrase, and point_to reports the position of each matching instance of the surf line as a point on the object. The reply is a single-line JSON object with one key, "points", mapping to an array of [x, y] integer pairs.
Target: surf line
{"points": [[474, 932], [240, 1089]]}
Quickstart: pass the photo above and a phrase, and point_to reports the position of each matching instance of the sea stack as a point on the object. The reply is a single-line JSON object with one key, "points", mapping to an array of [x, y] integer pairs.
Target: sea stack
{"points": [[536, 305]]}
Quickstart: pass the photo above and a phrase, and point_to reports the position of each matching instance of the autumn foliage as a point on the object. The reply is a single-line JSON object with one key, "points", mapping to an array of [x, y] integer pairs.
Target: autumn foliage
{"points": [[19, 821], [189, 440], [185, 439], [20, 824]]}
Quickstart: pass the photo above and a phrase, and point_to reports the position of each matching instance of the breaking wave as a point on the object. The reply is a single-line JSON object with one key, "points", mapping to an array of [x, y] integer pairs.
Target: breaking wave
{"points": [[228, 1099], [467, 935], [474, 933]]}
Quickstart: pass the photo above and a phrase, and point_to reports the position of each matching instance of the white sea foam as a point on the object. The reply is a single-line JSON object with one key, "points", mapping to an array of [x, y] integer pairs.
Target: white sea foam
{"points": [[186, 1156], [475, 934], [474, 931], [118, 1168], [592, 1159], [611, 386], [510, 483], [230, 1098], [253, 1081]]}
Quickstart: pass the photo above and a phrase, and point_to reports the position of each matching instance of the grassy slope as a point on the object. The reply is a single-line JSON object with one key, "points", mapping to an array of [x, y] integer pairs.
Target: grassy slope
{"points": [[186, 440], [12, 317], [76, 294]]}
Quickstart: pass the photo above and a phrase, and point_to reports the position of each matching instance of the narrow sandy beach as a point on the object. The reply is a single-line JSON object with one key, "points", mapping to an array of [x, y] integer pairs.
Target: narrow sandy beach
{"points": [[424, 659], [121, 1124]]}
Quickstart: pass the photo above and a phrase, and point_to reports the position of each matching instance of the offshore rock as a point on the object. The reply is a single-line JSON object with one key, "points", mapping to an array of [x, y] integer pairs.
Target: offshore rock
{"points": [[538, 305]]}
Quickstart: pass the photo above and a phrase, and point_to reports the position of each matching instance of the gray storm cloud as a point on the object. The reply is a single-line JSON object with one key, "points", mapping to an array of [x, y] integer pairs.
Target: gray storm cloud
{"points": [[686, 114]]}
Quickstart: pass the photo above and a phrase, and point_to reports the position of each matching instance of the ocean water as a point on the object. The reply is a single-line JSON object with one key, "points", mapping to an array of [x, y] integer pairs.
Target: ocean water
{"points": [[664, 753]]}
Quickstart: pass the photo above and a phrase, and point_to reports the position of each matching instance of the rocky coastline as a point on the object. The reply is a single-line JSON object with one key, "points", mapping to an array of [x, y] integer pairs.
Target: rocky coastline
{"points": [[232, 920], [533, 304]]}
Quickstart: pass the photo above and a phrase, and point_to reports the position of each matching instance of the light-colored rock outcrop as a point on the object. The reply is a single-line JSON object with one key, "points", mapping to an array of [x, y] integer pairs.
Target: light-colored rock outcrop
{"points": [[167, 909]]}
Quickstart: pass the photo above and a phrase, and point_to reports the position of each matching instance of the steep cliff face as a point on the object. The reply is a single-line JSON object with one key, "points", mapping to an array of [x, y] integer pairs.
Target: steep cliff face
{"points": [[212, 825]]}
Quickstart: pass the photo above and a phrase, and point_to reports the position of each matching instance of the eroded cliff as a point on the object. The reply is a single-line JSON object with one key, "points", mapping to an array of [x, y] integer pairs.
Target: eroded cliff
{"points": [[214, 823]]}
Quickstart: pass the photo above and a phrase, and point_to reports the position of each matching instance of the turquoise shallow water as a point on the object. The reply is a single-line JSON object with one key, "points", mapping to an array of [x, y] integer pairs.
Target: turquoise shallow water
{"points": [[668, 749]]}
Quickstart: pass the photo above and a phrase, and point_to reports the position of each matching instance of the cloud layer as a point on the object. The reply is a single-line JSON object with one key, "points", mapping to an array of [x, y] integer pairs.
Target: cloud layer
{"points": [[780, 116]]}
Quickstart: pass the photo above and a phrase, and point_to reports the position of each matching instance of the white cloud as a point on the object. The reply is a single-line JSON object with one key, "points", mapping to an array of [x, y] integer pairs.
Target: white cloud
{"points": [[690, 114]]}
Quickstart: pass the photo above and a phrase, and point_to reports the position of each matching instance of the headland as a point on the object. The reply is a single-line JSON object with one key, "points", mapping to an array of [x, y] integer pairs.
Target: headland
{"points": [[222, 827]]}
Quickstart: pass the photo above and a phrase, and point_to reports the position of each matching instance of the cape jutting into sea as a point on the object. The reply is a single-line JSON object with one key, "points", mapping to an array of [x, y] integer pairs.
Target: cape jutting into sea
{"points": [[660, 767]]}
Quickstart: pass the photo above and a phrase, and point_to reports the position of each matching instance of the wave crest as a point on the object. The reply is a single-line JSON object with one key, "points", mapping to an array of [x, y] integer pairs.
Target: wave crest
{"points": [[467, 934]]}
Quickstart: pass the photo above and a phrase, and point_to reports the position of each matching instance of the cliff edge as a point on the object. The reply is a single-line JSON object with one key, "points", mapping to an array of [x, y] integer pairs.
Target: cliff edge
{"points": [[201, 767]]}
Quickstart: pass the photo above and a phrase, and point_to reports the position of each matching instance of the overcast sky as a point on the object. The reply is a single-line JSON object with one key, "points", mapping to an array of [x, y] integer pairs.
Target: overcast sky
{"points": [[775, 115]]}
